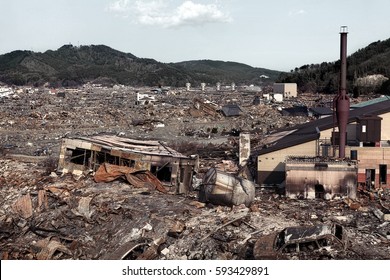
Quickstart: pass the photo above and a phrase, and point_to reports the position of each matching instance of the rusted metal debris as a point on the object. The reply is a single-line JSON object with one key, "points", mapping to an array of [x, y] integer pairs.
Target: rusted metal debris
{"points": [[137, 178]]}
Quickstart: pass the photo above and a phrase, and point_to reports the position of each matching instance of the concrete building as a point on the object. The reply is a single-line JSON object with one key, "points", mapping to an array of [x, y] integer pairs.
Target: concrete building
{"points": [[173, 169], [288, 90], [368, 144]]}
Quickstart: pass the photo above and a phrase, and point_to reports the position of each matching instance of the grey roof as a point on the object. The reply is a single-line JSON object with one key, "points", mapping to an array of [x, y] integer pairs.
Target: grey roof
{"points": [[310, 131], [231, 110], [321, 111], [295, 111]]}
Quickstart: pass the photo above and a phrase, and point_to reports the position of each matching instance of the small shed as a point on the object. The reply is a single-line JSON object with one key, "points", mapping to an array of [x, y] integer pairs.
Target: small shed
{"points": [[85, 154]]}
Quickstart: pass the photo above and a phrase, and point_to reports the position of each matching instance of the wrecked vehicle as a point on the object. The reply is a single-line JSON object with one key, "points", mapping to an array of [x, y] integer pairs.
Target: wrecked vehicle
{"points": [[299, 242]]}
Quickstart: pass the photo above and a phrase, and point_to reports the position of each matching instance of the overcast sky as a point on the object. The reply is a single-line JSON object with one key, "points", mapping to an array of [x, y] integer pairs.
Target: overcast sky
{"points": [[273, 34]]}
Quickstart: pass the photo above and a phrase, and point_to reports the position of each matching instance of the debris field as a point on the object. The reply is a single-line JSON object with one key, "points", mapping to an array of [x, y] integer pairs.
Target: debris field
{"points": [[48, 215]]}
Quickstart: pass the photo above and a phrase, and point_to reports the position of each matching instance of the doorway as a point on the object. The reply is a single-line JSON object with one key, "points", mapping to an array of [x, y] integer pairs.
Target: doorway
{"points": [[383, 174], [370, 179]]}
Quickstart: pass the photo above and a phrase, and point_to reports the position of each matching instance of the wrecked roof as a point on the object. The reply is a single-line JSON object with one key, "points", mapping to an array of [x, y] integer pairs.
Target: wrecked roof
{"points": [[150, 147]]}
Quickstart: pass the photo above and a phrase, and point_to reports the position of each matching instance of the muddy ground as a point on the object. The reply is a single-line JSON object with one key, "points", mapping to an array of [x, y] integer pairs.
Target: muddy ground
{"points": [[45, 215]]}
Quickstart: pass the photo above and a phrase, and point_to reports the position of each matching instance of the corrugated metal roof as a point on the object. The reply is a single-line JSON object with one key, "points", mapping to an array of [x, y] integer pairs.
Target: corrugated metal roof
{"points": [[112, 142], [321, 110], [370, 102]]}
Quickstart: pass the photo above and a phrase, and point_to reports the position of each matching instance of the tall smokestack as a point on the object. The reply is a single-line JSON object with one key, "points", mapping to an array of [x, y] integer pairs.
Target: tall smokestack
{"points": [[341, 101]]}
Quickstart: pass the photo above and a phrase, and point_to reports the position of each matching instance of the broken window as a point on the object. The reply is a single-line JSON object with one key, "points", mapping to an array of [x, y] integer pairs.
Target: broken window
{"points": [[323, 242], [79, 156], [163, 173], [102, 157], [383, 173], [308, 246]]}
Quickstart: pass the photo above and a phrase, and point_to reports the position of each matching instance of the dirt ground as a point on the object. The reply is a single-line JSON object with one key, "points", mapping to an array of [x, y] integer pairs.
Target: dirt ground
{"points": [[44, 215]]}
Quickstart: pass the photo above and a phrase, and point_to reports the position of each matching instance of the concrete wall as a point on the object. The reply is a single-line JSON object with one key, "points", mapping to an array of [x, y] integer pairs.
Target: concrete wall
{"points": [[274, 162], [385, 133], [304, 179]]}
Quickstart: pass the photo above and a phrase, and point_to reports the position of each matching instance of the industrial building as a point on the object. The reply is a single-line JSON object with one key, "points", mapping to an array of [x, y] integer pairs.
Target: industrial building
{"points": [[288, 90], [172, 168], [333, 155], [368, 142]]}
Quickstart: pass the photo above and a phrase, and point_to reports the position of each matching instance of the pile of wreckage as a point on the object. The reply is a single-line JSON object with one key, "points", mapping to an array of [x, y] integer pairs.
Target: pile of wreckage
{"points": [[188, 195], [119, 198]]}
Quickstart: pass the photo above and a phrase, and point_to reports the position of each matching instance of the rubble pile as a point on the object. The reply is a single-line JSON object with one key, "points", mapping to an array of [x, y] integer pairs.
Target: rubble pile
{"points": [[45, 216], [32, 122]]}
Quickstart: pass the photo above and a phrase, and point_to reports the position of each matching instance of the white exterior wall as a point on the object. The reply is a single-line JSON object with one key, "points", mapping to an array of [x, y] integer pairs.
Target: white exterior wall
{"points": [[288, 89]]}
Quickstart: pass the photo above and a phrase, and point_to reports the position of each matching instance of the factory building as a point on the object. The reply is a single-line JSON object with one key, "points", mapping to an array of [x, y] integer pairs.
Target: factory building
{"points": [[333, 155], [367, 147]]}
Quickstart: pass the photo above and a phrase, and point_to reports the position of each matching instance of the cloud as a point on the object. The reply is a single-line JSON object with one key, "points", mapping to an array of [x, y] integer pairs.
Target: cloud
{"points": [[120, 6], [297, 12], [159, 13]]}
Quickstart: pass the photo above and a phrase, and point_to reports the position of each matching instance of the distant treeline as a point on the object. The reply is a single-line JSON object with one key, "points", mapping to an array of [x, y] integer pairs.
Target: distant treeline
{"points": [[371, 60]]}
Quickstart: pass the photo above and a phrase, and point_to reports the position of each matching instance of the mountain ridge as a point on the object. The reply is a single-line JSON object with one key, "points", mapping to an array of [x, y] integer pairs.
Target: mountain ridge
{"points": [[70, 65]]}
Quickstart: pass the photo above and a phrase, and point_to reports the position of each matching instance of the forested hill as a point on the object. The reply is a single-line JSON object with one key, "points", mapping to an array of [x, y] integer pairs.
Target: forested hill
{"points": [[367, 70], [71, 65]]}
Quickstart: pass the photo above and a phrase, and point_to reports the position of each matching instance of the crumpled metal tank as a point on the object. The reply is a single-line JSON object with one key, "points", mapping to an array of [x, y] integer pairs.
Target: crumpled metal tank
{"points": [[223, 188]]}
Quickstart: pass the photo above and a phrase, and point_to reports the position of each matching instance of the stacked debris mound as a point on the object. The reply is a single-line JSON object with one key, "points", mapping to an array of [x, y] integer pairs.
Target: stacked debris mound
{"points": [[44, 216]]}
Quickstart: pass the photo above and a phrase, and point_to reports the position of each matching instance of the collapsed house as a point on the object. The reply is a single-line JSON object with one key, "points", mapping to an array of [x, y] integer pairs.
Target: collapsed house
{"points": [[173, 169]]}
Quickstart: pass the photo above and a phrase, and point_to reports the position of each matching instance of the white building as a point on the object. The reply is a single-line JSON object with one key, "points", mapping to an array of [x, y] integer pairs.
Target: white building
{"points": [[288, 90]]}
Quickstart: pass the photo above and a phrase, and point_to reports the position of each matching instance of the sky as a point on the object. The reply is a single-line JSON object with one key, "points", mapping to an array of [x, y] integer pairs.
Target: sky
{"points": [[273, 34]]}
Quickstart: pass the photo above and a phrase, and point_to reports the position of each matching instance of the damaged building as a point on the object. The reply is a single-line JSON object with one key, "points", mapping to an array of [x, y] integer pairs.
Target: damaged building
{"points": [[319, 178], [87, 154], [368, 144], [316, 156]]}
